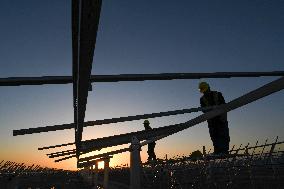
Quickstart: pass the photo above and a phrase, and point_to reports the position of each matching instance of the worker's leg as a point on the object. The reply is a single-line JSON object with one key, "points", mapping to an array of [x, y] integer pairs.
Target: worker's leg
{"points": [[214, 137], [151, 152], [223, 135], [154, 155]]}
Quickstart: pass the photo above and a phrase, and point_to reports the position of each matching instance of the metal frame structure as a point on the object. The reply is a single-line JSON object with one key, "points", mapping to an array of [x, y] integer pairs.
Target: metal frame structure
{"points": [[96, 144], [85, 22]]}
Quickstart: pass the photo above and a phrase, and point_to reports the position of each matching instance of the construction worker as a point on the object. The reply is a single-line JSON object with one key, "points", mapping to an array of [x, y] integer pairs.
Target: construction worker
{"points": [[151, 146], [218, 126]]}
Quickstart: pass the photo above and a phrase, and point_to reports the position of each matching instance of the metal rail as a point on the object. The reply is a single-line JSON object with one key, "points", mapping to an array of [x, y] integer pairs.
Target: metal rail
{"points": [[18, 81], [106, 121]]}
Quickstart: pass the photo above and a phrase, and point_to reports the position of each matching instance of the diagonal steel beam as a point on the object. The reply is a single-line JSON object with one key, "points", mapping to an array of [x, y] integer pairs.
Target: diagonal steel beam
{"points": [[63, 153], [106, 121], [270, 88], [65, 158], [89, 15], [54, 153], [18, 81], [55, 146]]}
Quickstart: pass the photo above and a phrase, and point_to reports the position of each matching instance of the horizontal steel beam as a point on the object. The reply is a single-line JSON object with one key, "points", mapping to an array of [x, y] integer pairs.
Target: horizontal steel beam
{"points": [[60, 145], [270, 88], [105, 121], [17, 81]]}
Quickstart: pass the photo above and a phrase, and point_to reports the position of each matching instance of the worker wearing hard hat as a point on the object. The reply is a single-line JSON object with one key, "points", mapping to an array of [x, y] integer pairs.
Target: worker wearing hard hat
{"points": [[218, 126], [151, 146]]}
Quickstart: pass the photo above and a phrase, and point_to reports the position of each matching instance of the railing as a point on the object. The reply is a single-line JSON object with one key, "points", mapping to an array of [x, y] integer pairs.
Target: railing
{"points": [[20, 175], [13, 168], [228, 171]]}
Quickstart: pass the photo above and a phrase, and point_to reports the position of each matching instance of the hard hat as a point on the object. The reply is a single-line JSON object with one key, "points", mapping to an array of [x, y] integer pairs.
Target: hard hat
{"points": [[146, 122], [203, 87]]}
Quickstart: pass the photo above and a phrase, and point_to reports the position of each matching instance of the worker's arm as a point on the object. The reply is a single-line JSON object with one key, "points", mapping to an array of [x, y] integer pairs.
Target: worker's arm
{"points": [[223, 117], [221, 98], [202, 104]]}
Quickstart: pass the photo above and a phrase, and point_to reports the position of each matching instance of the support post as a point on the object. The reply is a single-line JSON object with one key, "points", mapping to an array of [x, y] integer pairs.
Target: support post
{"points": [[96, 175], [92, 175], [106, 172], [135, 164], [204, 151]]}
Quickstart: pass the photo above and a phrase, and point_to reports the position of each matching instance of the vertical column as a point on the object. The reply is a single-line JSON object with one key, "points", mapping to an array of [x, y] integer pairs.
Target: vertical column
{"points": [[96, 175], [204, 151], [106, 173], [135, 166], [92, 175]]}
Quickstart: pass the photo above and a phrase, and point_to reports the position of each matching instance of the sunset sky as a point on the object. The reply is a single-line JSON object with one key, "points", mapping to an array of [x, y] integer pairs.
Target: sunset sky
{"points": [[161, 36]]}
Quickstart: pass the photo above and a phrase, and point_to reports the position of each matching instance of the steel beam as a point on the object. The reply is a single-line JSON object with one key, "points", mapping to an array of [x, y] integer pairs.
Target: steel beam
{"points": [[89, 15], [65, 158], [105, 121], [17, 81], [75, 51], [59, 152], [55, 146]]}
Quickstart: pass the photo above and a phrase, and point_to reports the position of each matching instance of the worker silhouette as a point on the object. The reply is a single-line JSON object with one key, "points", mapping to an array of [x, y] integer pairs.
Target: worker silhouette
{"points": [[151, 146], [218, 126]]}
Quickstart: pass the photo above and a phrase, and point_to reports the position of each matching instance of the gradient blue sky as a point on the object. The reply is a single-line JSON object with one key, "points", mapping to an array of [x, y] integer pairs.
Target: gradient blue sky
{"points": [[139, 37]]}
